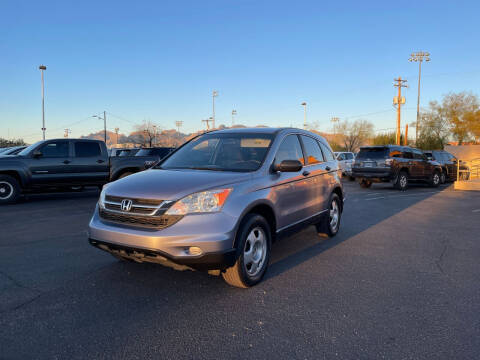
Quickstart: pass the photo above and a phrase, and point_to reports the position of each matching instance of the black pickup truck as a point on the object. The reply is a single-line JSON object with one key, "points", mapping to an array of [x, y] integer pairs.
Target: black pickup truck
{"points": [[66, 163]]}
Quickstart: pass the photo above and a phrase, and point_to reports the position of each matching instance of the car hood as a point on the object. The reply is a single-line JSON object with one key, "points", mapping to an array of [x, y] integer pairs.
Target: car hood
{"points": [[171, 184]]}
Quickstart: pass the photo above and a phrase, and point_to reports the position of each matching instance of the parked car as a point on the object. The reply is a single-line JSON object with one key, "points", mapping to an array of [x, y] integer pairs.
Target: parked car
{"points": [[448, 162], [155, 151], [345, 160], [396, 164], [12, 150], [64, 163], [219, 201]]}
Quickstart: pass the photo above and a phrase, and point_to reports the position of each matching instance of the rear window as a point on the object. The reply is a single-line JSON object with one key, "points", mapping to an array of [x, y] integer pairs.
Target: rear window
{"points": [[87, 149], [373, 153]]}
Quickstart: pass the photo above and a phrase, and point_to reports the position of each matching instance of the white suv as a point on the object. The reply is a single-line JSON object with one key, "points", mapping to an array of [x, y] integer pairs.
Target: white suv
{"points": [[345, 160]]}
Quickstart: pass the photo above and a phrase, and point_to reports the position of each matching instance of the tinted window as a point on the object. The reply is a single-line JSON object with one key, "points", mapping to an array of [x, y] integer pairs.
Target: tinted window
{"points": [[373, 153], [349, 156], [87, 149], [55, 149], [290, 149], [327, 153], [160, 152], [340, 157], [407, 154], [312, 150]]}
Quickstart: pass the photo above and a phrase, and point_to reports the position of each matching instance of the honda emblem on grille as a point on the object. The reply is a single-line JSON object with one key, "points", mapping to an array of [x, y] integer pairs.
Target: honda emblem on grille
{"points": [[126, 205]]}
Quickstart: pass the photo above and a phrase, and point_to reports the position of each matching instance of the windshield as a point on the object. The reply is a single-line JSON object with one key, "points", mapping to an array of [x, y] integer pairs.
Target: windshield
{"points": [[373, 153], [221, 152], [28, 149]]}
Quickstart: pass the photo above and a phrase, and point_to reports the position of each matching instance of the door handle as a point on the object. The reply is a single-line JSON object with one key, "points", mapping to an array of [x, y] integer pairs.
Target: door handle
{"points": [[100, 161], [306, 173], [66, 161], [327, 168]]}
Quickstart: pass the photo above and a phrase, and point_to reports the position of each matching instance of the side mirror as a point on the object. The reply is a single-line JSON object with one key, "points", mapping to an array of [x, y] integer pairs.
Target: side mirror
{"points": [[288, 166], [37, 154]]}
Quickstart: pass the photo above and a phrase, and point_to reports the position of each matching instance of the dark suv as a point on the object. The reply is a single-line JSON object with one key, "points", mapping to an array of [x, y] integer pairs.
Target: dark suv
{"points": [[447, 161], [396, 164]]}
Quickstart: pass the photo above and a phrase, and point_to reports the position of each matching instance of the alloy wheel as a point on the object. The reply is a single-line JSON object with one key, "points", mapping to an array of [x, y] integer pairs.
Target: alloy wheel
{"points": [[255, 251]]}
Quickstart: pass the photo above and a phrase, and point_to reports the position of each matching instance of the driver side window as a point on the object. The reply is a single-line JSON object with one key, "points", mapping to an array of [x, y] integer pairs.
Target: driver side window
{"points": [[58, 149], [290, 149]]}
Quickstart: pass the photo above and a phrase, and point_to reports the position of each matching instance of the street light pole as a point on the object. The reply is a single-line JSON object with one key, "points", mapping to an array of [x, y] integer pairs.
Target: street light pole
{"points": [[42, 68], [304, 104], [104, 125], [214, 95], [234, 112], [419, 57]]}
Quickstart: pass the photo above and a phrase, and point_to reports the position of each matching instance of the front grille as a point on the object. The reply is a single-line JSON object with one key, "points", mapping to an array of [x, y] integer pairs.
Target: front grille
{"points": [[155, 222], [139, 206]]}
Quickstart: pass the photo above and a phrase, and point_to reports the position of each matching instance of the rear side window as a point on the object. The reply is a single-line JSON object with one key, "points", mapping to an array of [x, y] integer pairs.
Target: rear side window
{"points": [[87, 149], [349, 156], [373, 153], [312, 150], [327, 153], [55, 149], [290, 149]]}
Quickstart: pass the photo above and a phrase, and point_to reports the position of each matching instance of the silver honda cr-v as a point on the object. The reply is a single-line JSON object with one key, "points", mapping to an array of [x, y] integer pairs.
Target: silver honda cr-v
{"points": [[220, 200]]}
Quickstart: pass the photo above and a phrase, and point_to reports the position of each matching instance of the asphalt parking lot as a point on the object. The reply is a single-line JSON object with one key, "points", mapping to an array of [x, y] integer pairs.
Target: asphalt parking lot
{"points": [[400, 281]]}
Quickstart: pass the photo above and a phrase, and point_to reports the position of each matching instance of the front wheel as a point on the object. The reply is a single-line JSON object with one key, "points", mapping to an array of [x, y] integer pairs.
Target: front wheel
{"points": [[330, 224], [254, 243], [9, 189]]}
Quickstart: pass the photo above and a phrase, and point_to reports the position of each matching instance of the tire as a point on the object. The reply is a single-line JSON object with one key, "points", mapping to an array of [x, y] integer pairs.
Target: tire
{"points": [[254, 242], [401, 183], [9, 189], [365, 184], [443, 178], [125, 174], [435, 179], [330, 224]]}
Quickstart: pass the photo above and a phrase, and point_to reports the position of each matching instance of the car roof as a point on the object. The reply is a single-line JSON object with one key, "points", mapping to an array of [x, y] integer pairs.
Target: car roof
{"points": [[262, 130]]}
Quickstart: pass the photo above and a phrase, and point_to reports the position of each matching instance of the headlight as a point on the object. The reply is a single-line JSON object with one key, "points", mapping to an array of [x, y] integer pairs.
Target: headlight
{"points": [[101, 199], [205, 201]]}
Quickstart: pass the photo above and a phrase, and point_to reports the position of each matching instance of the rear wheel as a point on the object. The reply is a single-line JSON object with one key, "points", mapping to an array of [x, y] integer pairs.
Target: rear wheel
{"points": [[443, 177], [9, 189], [435, 180], [401, 182], [254, 242], [365, 183], [330, 224], [125, 174]]}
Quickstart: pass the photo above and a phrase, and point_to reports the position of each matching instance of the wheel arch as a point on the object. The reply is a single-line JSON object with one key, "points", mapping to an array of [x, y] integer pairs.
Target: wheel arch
{"points": [[15, 174]]}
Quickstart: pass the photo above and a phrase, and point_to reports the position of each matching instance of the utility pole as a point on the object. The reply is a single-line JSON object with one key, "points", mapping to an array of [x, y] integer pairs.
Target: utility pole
{"points": [[104, 125], [234, 112], [214, 95], [207, 122], [399, 101], [304, 104], [178, 124], [155, 135], [335, 121], [405, 141], [419, 57], [116, 133], [42, 69], [67, 131]]}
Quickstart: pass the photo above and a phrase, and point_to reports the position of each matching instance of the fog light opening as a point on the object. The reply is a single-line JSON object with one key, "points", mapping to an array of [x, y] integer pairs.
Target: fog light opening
{"points": [[193, 250]]}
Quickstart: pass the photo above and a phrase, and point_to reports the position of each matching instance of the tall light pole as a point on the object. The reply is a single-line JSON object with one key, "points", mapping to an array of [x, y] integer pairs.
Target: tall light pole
{"points": [[214, 95], [154, 134], [178, 124], [419, 57], [42, 69], [234, 112], [104, 124], [116, 132], [304, 104]]}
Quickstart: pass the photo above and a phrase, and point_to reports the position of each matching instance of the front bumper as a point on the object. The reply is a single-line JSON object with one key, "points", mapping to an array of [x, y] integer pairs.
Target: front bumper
{"points": [[213, 233]]}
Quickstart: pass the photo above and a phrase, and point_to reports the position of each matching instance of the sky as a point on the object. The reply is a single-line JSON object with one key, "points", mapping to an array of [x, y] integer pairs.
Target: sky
{"points": [[160, 60]]}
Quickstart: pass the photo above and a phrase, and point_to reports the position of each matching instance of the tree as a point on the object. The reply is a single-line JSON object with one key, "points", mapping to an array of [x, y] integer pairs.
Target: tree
{"points": [[147, 131], [9, 143], [457, 110], [434, 129], [473, 120], [353, 135]]}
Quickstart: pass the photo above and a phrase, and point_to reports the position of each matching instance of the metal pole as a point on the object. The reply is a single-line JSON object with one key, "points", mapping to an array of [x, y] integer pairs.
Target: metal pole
{"points": [[105, 125], [398, 110], [418, 100], [305, 117], [43, 106], [213, 108]]}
